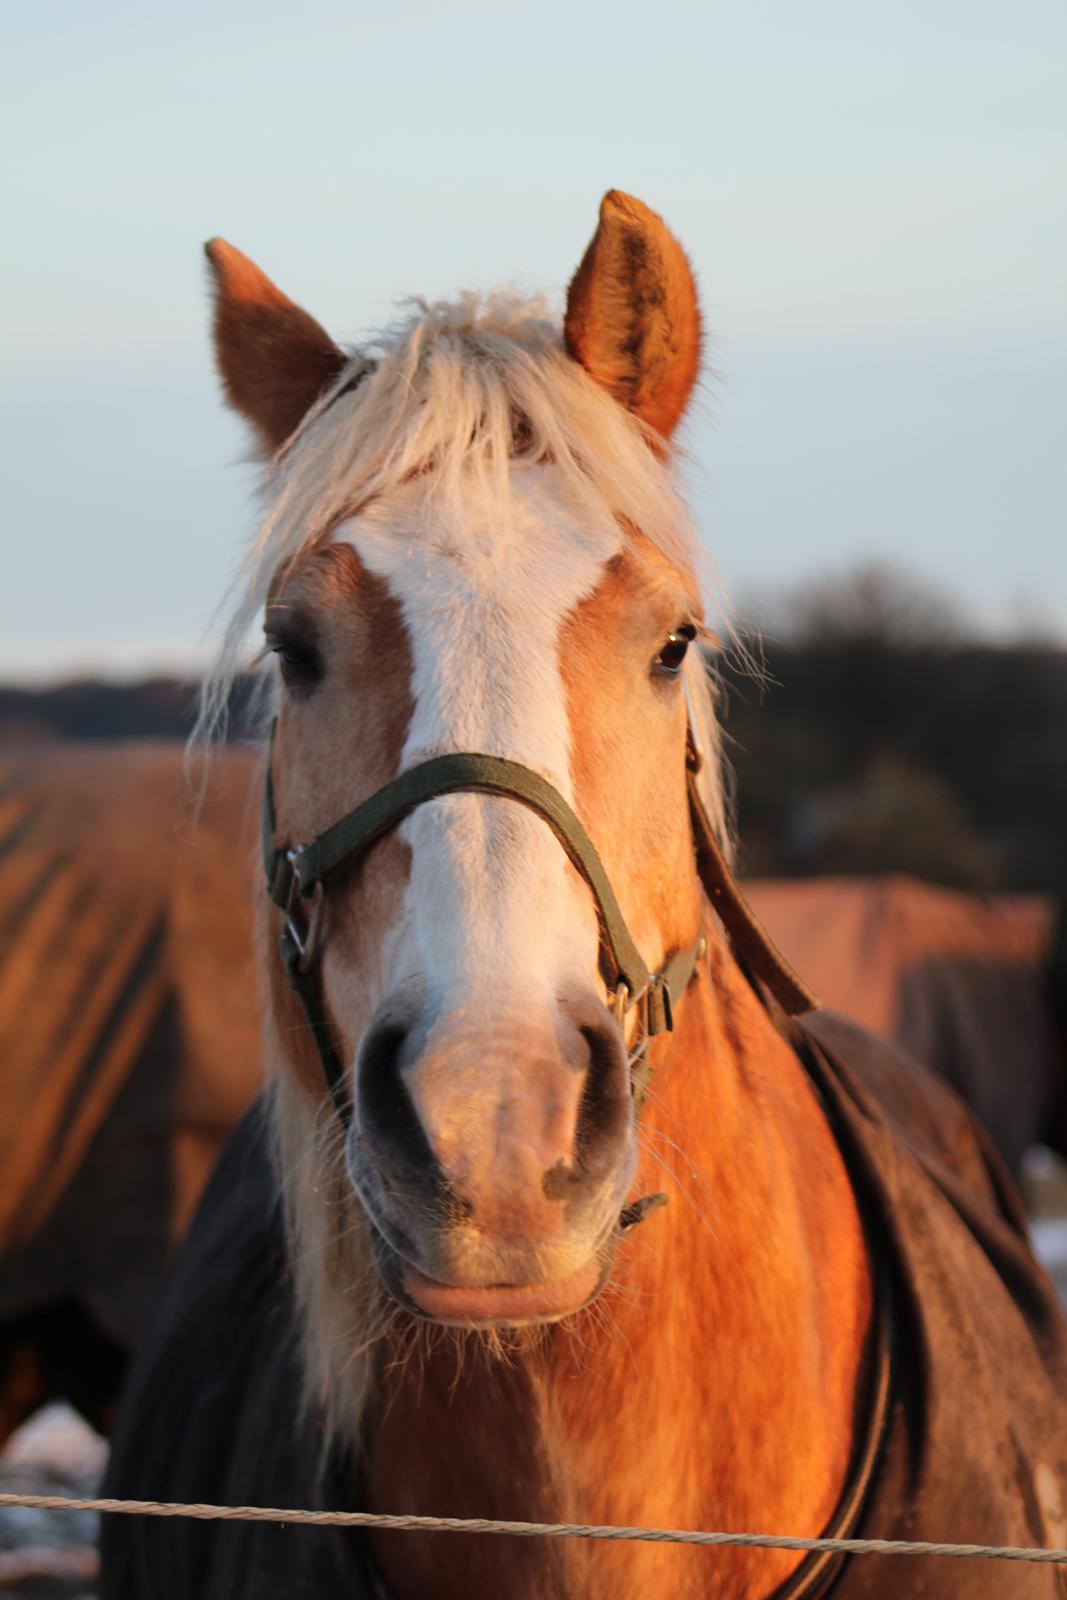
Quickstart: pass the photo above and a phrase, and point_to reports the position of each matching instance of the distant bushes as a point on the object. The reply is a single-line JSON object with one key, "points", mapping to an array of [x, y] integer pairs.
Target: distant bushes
{"points": [[882, 738], [90, 708]]}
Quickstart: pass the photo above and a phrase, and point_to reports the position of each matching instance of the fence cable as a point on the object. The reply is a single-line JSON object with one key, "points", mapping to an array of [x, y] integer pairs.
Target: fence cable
{"points": [[527, 1530]]}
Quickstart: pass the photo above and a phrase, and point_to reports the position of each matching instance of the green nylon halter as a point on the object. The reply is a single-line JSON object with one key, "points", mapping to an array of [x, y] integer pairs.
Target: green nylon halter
{"points": [[301, 875]]}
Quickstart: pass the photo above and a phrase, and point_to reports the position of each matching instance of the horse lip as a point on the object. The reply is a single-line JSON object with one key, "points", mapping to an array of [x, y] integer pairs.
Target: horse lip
{"points": [[492, 1305], [513, 1304]]}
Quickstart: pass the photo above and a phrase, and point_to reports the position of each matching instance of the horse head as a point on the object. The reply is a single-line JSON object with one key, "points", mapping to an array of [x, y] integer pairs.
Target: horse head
{"points": [[474, 544]]}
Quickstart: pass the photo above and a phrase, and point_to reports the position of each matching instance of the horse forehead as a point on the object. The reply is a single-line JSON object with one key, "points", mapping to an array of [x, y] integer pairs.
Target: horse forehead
{"points": [[527, 563]]}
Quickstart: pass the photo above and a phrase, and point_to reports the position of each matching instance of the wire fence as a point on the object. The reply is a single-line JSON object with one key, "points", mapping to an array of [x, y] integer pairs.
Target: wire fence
{"points": [[528, 1530]]}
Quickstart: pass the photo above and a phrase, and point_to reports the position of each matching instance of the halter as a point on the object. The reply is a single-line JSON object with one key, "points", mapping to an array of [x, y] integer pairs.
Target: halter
{"points": [[299, 876]]}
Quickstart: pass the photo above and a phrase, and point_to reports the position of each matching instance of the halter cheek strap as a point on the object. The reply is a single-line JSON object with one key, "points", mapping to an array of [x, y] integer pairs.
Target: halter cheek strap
{"points": [[298, 878]]}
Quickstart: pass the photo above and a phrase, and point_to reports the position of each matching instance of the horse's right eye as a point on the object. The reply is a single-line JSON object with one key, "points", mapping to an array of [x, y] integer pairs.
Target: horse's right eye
{"points": [[300, 662], [669, 661]]}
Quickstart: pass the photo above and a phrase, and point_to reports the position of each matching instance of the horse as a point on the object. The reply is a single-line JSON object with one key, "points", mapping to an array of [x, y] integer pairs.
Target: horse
{"points": [[128, 1047], [967, 984], [515, 1002]]}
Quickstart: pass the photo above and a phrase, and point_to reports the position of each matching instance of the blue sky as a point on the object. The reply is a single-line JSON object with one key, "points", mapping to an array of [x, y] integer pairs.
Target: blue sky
{"points": [[873, 196]]}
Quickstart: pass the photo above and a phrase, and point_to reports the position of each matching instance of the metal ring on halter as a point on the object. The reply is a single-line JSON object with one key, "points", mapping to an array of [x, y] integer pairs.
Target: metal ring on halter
{"points": [[622, 1003], [306, 944]]}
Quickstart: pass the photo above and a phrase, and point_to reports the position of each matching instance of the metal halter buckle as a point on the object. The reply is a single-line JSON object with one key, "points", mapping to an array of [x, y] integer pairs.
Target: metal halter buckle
{"points": [[305, 944], [659, 1015]]}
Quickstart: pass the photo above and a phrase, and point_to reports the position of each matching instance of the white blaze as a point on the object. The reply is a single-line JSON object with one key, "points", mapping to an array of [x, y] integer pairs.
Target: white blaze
{"points": [[492, 904]]}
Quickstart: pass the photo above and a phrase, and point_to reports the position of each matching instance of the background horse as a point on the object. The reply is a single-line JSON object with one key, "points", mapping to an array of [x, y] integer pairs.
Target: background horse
{"points": [[964, 983], [128, 1047], [476, 563]]}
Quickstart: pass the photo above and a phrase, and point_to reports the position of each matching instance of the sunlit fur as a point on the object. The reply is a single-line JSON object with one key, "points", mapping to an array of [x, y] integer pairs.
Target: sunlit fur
{"points": [[464, 396], [475, 495]]}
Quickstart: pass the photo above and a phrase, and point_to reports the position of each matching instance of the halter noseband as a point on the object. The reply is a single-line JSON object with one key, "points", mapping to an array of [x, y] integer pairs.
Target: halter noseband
{"points": [[299, 876]]}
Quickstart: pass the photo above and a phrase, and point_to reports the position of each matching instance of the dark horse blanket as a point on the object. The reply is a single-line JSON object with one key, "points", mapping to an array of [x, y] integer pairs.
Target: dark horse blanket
{"points": [[976, 1446], [128, 1044]]}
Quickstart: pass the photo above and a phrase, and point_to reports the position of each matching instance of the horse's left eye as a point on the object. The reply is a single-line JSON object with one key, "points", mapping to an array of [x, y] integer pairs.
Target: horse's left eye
{"points": [[670, 658], [299, 660]]}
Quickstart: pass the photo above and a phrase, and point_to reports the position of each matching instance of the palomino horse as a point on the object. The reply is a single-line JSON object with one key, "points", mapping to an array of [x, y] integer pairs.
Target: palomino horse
{"points": [[509, 1015]]}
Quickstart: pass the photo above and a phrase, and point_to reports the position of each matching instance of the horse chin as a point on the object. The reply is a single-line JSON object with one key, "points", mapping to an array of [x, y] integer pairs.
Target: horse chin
{"points": [[503, 1305]]}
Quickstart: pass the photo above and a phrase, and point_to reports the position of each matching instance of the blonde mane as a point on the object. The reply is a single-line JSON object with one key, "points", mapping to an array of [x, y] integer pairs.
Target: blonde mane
{"points": [[460, 396]]}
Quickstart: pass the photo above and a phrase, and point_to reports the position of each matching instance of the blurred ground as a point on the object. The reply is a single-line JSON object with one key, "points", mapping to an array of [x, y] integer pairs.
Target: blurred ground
{"points": [[50, 1555]]}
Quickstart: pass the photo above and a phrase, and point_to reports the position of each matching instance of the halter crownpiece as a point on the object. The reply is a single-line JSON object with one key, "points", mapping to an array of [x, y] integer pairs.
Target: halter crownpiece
{"points": [[299, 877]]}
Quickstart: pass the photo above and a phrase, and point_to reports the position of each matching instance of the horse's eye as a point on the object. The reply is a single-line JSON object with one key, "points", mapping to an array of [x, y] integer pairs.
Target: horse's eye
{"points": [[669, 661], [300, 663]]}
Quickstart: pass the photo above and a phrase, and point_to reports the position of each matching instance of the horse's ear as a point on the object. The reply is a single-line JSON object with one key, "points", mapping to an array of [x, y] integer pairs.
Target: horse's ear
{"points": [[274, 360], [633, 320]]}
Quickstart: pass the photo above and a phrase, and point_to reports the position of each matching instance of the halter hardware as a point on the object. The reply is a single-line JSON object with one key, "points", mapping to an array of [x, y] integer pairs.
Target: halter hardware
{"points": [[300, 946], [299, 875]]}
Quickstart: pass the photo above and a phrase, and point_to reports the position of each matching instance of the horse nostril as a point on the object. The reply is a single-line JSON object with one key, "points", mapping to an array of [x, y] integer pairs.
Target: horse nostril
{"points": [[386, 1111], [605, 1108]]}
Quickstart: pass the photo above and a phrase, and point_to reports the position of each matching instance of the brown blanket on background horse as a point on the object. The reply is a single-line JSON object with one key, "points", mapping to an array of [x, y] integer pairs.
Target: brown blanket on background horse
{"points": [[977, 1439], [128, 1033], [960, 981]]}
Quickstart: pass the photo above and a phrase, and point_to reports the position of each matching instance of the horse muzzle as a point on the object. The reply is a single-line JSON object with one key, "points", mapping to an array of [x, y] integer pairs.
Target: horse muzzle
{"points": [[493, 1156]]}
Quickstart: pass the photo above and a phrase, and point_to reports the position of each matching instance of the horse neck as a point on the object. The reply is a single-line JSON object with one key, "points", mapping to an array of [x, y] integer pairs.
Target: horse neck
{"points": [[712, 1386]]}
